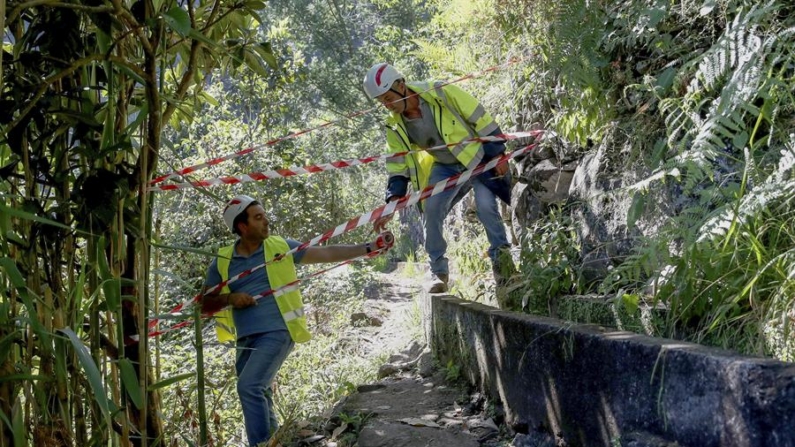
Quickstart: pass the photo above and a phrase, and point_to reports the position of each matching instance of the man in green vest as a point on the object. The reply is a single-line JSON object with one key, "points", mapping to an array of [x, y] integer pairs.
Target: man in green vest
{"points": [[266, 329], [429, 114]]}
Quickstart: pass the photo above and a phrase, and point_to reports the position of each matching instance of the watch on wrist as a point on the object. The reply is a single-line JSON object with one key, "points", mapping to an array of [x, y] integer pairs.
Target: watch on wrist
{"points": [[369, 247]]}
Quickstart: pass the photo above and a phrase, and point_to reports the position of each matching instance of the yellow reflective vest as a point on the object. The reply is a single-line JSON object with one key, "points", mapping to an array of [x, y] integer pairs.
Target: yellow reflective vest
{"points": [[458, 117], [280, 273]]}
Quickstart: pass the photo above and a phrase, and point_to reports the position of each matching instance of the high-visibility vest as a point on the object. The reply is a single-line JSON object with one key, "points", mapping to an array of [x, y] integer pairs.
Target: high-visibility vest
{"points": [[458, 116], [280, 273]]}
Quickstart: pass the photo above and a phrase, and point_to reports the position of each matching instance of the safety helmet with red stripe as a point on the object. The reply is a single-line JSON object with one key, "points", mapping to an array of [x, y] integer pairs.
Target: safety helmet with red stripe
{"points": [[379, 79], [234, 207]]}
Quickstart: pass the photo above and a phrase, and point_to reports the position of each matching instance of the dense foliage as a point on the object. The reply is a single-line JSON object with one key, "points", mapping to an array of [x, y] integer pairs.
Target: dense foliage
{"points": [[689, 104]]}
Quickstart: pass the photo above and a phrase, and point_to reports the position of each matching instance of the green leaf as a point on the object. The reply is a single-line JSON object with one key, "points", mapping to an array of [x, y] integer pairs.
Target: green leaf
{"points": [[24, 293], [20, 428], [5, 225], [656, 15], [255, 5], [266, 52], [130, 381], [195, 35], [255, 63], [706, 8], [666, 79], [91, 371], [6, 343], [30, 216], [126, 70], [209, 98], [166, 382], [110, 285], [740, 140], [15, 276], [630, 302], [139, 118], [636, 209], [178, 19]]}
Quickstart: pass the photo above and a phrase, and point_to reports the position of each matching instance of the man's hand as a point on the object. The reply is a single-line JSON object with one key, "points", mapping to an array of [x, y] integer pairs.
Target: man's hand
{"points": [[501, 169], [379, 226], [241, 300]]}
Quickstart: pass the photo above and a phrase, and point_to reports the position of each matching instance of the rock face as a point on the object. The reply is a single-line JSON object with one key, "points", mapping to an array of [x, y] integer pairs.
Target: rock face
{"points": [[596, 186], [543, 178], [603, 192], [600, 215]]}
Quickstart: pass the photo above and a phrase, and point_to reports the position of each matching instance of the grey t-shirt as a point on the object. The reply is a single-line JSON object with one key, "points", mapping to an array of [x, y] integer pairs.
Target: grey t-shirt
{"points": [[423, 132]]}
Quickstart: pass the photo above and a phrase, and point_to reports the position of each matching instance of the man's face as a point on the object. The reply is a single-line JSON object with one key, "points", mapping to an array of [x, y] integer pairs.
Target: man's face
{"points": [[257, 225], [391, 100]]}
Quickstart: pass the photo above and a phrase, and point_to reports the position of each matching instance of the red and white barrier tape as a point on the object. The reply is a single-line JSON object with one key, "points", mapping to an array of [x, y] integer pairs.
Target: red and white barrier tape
{"points": [[341, 164], [253, 148], [364, 219], [273, 292]]}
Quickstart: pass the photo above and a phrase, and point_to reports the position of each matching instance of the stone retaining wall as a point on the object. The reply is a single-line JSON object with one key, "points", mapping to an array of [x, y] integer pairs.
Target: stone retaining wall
{"points": [[588, 386]]}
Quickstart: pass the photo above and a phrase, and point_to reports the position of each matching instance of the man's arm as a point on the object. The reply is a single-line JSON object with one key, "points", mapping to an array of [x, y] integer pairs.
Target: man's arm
{"points": [[333, 253], [217, 301], [338, 253]]}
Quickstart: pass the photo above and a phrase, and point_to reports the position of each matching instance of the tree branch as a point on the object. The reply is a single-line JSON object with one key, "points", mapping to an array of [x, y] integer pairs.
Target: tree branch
{"points": [[55, 4], [187, 77], [136, 27]]}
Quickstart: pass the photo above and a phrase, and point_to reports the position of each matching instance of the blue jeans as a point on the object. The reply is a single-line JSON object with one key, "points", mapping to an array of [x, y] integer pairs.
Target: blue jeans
{"points": [[259, 357], [437, 207]]}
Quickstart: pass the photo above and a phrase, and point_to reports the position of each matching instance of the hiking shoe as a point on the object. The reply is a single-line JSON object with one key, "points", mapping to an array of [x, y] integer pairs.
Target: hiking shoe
{"points": [[438, 283]]}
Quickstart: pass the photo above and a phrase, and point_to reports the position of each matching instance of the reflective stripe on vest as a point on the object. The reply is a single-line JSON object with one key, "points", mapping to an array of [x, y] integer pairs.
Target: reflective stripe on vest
{"points": [[281, 273], [458, 116]]}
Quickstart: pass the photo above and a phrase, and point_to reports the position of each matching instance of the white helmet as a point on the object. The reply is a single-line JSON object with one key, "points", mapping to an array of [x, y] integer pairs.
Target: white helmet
{"points": [[234, 207], [379, 79]]}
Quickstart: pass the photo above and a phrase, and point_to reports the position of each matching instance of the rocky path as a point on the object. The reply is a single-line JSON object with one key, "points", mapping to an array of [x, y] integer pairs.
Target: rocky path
{"points": [[413, 404]]}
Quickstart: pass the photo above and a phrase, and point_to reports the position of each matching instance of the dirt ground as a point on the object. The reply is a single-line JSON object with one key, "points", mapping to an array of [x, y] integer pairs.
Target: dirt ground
{"points": [[415, 402]]}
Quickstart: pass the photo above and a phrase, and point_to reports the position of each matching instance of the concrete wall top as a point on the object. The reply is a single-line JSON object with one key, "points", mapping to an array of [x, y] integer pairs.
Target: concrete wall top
{"points": [[593, 386]]}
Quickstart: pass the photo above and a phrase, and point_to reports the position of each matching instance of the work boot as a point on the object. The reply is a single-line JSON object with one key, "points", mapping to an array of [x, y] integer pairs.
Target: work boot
{"points": [[438, 283]]}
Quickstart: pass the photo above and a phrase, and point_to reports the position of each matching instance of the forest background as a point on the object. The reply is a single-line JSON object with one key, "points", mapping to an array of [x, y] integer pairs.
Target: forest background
{"points": [[689, 101]]}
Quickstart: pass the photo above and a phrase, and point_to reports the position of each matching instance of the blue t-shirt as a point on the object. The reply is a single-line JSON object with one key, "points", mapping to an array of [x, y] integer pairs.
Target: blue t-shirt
{"points": [[265, 316]]}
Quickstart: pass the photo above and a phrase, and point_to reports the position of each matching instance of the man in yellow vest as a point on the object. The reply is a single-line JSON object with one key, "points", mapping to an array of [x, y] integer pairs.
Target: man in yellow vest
{"points": [[429, 114], [266, 329]]}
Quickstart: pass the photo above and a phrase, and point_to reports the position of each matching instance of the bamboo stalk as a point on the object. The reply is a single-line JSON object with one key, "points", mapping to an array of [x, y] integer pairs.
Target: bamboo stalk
{"points": [[116, 257], [94, 338], [200, 382], [157, 302]]}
